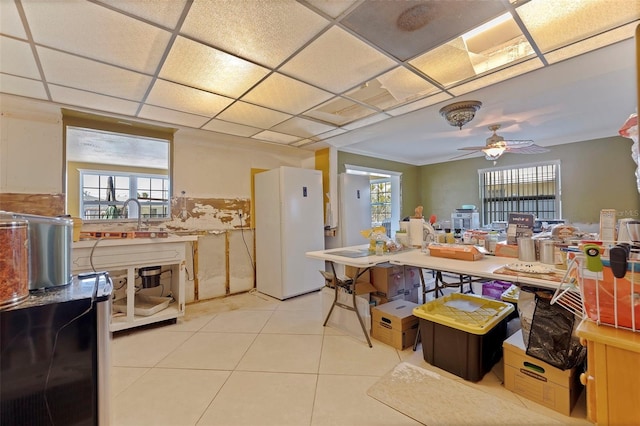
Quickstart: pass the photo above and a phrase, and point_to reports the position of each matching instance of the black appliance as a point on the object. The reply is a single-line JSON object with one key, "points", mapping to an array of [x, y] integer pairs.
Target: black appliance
{"points": [[54, 355]]}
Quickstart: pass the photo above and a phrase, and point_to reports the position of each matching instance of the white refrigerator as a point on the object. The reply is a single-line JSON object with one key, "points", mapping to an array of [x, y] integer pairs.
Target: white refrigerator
{"points": [[289, 222], [355, 208]]}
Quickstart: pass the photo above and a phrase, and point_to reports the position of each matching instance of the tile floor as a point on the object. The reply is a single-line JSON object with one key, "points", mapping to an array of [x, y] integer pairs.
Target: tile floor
{"points": [[249, 359]]}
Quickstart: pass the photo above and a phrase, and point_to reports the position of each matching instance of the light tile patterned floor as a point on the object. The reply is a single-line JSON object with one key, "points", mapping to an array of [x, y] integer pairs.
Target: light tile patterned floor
{"points": [[252, 360]]}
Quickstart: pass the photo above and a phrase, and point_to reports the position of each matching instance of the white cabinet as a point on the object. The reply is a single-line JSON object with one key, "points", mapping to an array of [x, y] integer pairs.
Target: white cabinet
{"points": [[128, 256]]}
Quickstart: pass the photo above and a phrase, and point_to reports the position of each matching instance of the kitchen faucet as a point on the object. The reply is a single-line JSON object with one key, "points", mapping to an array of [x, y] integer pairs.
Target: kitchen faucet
{"points": [[135, 200]]}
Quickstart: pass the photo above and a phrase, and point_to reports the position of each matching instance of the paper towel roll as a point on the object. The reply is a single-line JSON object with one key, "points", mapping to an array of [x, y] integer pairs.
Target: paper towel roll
{"points": [[415, 232]]}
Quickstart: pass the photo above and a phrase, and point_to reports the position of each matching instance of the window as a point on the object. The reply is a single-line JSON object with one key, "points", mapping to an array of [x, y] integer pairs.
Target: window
{"points": [[108, 160], [103, 195], [386, 195], [380, 201], [526, 189]]}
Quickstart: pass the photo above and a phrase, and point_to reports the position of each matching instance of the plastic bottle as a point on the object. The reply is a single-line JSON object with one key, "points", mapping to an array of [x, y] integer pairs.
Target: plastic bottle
{"points": [[379, 247]]}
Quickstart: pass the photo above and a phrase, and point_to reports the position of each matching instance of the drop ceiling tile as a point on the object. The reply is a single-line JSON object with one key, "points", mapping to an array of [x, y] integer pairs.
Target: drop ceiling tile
{"points": [[498, 76], [286, 94], [333, 8], [164, 115], [366, 121], [65, 95], [93, 31], [265, 32], [557, 23], [422, 103], [601, 40], [339, 111], [10, 23], [186, 99], [270, 136], [221, 126], [337, 61], [302, 127], [22, 87], [252, 115], [16, 58], [395, 87], [204, 67], [73, 71], [407, 28], [165, 13]]}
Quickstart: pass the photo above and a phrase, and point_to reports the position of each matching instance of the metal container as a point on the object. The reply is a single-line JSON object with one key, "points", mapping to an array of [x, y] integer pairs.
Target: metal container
{"points": [[14, 262], [150, 276], [547, 252], [50, 241], [526, 249]]}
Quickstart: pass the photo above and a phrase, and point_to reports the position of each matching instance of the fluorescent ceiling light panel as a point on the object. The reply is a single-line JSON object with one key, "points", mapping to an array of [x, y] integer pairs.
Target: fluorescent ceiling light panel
{"points": [[337, 61], [265, 32], [73, 71], [286, 94], [203, 67], [187, 99], [96, 32]]}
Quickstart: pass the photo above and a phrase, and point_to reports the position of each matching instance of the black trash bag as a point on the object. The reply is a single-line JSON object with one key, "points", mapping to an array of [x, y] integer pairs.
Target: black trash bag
{"points": [[552, 339]]}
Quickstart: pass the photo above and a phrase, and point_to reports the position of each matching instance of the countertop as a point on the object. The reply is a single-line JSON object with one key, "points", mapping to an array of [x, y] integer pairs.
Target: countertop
{"points": [[81, 287], [133, 241]]}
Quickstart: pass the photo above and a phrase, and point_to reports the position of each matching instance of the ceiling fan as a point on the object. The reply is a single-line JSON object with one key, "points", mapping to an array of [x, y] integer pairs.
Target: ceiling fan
{"points": [[497, 145]]}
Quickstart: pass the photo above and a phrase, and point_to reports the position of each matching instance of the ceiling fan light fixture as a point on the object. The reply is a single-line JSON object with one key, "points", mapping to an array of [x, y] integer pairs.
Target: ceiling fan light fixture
{"points": [[493, 153], [460, 113]]}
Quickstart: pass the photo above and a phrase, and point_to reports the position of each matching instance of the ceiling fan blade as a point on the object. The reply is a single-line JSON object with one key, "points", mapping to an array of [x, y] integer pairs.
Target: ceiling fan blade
{"points": [[518, 143], [462, 155], [530, 149], [473, 148]]}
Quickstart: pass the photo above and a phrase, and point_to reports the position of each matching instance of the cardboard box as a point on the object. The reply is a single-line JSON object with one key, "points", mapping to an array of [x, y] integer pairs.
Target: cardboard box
{"points": [[388, 280], [412, 283], [350, 271], [538, 381], [506, 250], [455, 251], [394, 324]]}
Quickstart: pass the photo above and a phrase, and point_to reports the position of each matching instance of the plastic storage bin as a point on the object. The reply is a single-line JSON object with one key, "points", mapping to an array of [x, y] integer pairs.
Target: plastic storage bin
{"points": [[463, 333]]}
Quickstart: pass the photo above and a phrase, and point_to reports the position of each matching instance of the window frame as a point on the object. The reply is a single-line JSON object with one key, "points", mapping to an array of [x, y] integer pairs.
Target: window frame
{"points": [[146, 203], [486, 218], [79, 119]]}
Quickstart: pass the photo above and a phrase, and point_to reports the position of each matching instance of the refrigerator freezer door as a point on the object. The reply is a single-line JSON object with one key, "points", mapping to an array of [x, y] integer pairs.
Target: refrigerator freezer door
{"points": [[289, 223]]}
